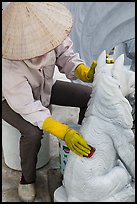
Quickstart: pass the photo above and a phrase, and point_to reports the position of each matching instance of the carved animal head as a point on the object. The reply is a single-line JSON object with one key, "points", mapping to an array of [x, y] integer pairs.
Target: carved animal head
{"points": [[112, 82], [124, 77]]}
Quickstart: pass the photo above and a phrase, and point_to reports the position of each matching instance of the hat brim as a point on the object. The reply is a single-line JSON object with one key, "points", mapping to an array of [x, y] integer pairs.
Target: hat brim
{"points": [[31, 29]]}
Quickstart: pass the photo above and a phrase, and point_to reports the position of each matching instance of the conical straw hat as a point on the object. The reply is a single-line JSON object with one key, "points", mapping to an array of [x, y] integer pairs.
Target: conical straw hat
{"points": [[31, 29]]}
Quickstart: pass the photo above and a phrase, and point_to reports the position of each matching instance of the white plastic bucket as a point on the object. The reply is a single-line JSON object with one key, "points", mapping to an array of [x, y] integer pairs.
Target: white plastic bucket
{"points": [[63, 155], [10, 144], [64, 150]]}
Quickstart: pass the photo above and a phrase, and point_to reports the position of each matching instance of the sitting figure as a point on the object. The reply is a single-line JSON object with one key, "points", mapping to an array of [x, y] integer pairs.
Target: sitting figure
{"points": [[108, 175]]}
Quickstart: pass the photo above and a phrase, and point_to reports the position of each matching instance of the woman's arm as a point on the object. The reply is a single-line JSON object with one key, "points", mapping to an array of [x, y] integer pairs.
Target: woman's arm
{"points": [[18, 93]]}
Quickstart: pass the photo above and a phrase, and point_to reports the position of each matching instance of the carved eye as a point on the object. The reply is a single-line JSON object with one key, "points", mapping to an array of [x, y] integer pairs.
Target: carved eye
{"points": [[119, 86]]}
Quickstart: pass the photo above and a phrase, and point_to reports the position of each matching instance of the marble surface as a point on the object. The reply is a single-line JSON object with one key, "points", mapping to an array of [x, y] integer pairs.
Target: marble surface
{"points": [[108, 176]]}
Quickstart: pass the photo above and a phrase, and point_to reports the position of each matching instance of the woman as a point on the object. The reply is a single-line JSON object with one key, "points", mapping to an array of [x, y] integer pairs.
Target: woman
{"points": [[35, 38]]}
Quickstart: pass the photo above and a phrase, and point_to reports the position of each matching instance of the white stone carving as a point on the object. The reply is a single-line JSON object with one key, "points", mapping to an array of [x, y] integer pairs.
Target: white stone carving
{"points": [[108, 176]]}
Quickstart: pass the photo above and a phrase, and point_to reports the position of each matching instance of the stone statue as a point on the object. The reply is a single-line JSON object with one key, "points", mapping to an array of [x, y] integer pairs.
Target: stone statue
{"points": [[108, 176]]}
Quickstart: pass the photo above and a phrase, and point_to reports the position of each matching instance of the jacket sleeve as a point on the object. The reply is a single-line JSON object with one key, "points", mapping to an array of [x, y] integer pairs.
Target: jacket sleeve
{"points": [[66, 59], [18, 93]]}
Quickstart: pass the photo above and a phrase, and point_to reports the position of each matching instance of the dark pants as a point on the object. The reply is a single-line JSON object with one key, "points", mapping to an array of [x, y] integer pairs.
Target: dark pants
{"points": [[64, 94]]}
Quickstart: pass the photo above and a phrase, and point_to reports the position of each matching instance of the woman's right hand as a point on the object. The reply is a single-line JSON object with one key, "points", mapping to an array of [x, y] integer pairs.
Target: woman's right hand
{"points": [[73, 139], [77, 143]]}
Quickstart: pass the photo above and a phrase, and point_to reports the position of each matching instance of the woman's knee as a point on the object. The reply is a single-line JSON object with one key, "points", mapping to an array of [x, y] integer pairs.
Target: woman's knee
{"points": [[85, 96]]}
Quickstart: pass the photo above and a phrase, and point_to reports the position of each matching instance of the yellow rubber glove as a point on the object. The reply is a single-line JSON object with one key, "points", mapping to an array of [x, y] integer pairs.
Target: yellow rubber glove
{"points": [[76, 143], [109, 60], [84, 73], [73, 138]]}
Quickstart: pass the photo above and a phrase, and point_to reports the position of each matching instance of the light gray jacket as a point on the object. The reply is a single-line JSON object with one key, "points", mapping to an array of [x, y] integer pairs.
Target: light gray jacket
{"points": [[27, 84]]}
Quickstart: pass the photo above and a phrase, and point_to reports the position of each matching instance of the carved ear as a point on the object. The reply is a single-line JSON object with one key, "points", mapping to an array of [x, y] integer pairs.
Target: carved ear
{"points": [[102, 59], [118, 66]]}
